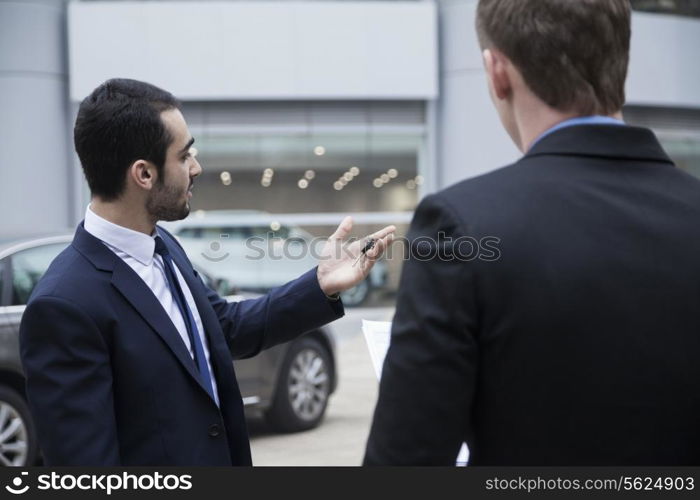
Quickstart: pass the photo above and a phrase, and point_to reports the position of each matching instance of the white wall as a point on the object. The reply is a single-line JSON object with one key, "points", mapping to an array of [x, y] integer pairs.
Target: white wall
{"points": [[258, 50], [470, 140], [663, 71], [35, 172], [664, 61]]}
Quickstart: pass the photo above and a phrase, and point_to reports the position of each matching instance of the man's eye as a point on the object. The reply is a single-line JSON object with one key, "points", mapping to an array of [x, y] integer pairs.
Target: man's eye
{"points": [[190, 154]]}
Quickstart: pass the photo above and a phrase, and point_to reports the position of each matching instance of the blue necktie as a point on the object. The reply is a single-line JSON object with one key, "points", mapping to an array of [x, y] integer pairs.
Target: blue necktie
{"points": [[179, 297]]}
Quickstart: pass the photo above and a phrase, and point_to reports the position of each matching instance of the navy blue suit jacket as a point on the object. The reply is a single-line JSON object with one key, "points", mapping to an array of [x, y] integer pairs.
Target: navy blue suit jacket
{"points": [[576, 342], [109, 379]]}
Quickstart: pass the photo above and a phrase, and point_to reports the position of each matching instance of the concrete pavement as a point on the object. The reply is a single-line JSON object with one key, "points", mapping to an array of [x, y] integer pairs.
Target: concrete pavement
{"points": [[341, 437]]}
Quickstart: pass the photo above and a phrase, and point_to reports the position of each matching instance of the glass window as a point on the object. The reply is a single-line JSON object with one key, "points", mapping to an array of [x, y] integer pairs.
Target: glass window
{"points": [[678, 7], [28, 266], [320, 172], [312, 162], [684, 151], [677, 129], [190, 232], [267, 232], [2, 282]]}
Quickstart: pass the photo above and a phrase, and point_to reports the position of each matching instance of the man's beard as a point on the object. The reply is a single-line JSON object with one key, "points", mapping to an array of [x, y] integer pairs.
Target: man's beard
{"points": [[165, 203]]}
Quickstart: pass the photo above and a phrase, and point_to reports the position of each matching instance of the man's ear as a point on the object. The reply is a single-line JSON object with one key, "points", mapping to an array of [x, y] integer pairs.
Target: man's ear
{"points": [[495, 64], [143, 174]]}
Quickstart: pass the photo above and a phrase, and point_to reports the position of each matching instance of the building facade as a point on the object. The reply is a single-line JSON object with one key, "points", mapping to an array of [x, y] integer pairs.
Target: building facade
{"points": [[311, 107]]}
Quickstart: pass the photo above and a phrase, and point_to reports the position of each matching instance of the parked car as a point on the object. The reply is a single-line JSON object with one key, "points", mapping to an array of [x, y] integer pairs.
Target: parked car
{"points": [[289, 385], [253, 251]]}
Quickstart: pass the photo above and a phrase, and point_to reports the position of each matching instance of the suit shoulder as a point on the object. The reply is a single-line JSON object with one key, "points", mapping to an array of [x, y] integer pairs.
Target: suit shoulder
{"points": [[499, 179], [68, 277], [482, 192]]}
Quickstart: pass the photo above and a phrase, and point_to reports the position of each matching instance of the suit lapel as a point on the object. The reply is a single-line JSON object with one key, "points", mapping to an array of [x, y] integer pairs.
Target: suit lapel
{"points": [[137, 293]]}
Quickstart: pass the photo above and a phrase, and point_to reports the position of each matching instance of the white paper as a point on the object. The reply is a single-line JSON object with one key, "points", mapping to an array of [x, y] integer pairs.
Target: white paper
{"points": [[378, 336]]}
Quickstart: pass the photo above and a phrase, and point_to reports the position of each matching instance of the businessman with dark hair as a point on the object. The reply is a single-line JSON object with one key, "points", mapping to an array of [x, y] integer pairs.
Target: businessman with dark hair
{"points": [[579, 345], [127, 354]]}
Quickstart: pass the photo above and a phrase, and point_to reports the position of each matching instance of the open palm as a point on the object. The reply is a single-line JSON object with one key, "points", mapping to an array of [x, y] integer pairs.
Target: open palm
{"points": [[339, 267]]}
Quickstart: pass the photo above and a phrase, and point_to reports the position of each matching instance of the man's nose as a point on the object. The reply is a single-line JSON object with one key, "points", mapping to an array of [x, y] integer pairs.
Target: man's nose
{"points": [[196, 169]]}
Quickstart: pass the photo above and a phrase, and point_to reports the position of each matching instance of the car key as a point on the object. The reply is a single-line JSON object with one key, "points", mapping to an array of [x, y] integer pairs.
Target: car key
{"points": [[368, 246]]}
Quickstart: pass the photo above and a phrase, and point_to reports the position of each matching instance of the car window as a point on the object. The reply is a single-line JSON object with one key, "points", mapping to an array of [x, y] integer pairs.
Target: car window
{"points": [[28, 266], [214, 233], [268, 232], [235, 233], [190, 232]]}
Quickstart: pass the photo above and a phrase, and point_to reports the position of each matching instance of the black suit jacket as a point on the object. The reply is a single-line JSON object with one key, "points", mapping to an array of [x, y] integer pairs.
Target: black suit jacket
{"points": [[109, 379], [577, 340]]}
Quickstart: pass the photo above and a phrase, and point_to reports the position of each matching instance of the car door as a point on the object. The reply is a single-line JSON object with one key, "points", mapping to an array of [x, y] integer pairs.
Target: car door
{"points": [[22, 271], [8, 319]]}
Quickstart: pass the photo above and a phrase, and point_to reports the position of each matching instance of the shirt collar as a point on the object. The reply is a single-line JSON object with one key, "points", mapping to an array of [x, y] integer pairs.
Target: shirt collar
{"points": [[133, 243], [580, 120]]}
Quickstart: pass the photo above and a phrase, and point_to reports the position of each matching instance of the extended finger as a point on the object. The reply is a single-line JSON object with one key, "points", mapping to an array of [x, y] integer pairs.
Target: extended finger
{"points": [[380, 246], [343, 229], [382, 233]]}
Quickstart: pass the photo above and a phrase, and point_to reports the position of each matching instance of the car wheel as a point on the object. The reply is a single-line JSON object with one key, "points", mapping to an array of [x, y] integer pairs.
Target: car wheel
{"points": [[356, 295], [303, 387], [18, 443]]}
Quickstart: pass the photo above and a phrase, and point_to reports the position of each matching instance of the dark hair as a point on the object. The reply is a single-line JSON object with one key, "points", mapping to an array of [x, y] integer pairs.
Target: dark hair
{"points": [[573, 54], [118, 124]]}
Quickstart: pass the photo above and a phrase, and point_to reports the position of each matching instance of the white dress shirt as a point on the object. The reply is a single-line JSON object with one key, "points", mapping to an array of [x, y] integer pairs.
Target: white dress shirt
{"points": [[138, 251]]}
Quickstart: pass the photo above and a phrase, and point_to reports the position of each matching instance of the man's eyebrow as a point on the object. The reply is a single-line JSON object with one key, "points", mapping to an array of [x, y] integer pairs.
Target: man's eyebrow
{"points": [[187, 147]]}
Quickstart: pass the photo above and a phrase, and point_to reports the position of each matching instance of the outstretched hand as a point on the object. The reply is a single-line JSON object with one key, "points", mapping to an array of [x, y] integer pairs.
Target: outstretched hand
{"points": [[339, 267]]}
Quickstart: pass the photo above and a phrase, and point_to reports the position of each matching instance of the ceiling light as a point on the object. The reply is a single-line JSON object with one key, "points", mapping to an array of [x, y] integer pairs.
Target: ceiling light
{"points": [[319, 151], [355, 171], [384, 178], [337, 186], [309, 174], [303, 183], [393, 173], [378, 183]]}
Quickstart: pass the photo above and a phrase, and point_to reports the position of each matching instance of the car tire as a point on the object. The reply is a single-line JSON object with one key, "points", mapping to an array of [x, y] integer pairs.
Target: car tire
{"points": [[357, 295], [303, 388], [19, 447]]}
